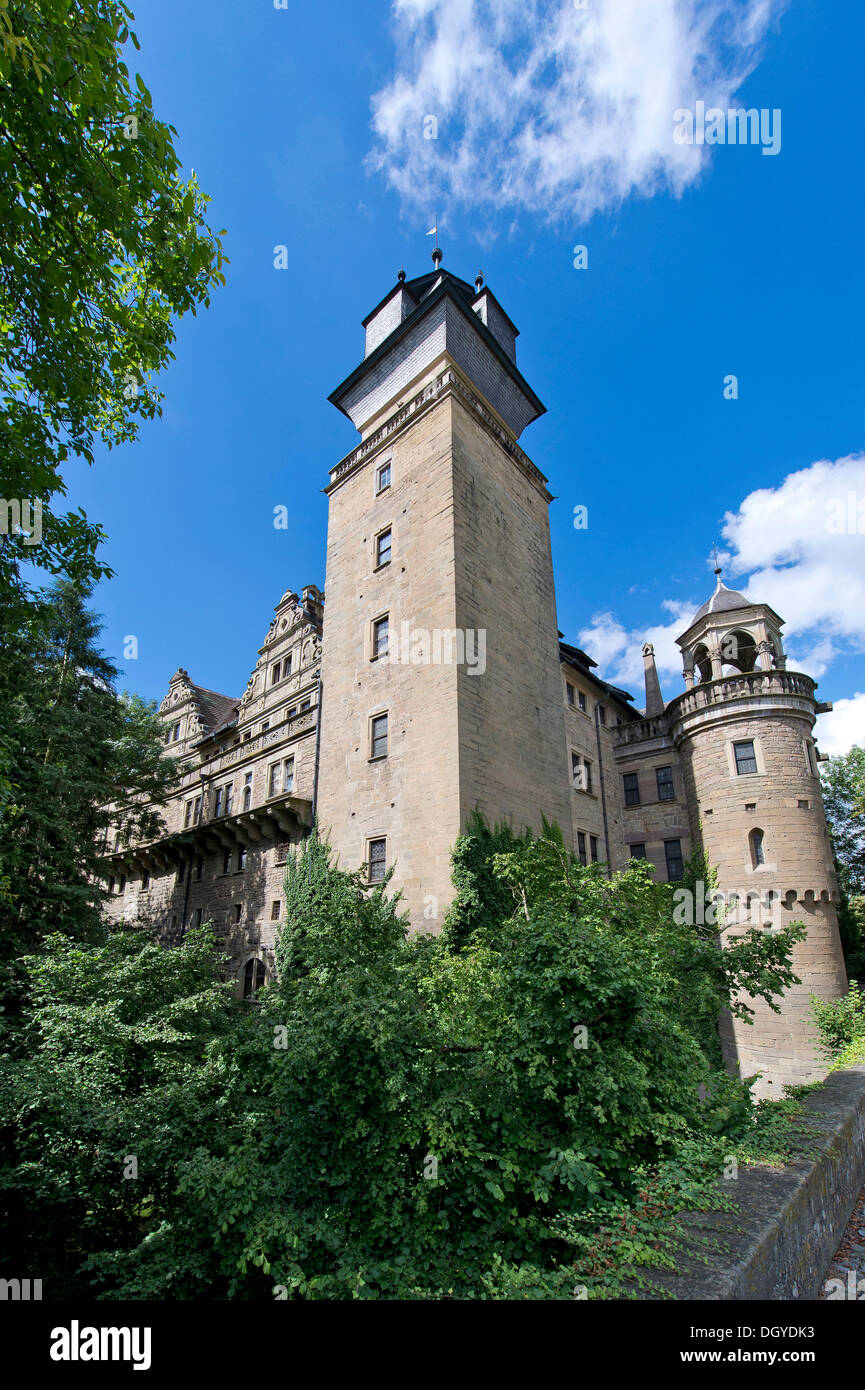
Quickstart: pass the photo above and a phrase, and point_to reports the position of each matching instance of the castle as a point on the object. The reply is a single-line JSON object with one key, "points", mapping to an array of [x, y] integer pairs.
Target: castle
{"points": [[434, 681]]}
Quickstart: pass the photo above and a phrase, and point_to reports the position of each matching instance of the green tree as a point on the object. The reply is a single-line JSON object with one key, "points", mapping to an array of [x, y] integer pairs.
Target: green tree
{"points": [[843, 781], [400, 1119], [104, 245], [129, 1065], [77, 758]]}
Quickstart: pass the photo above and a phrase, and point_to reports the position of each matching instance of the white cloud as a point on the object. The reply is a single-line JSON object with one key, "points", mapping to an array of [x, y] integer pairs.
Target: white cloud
{"points": [[811, 575], [619, 652], [547, 107], [803, 546], [837, 731]]}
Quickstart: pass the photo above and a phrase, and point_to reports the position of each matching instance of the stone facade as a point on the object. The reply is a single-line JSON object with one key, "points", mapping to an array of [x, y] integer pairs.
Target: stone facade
{"points": [[433, 682]]}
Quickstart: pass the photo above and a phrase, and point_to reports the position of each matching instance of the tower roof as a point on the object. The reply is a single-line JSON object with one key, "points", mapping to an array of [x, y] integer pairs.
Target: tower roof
{"points": [[418, 320], [723, 600]]}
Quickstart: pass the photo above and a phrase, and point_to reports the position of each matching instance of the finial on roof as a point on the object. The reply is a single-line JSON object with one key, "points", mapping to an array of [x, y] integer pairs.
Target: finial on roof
{"points": [[401, 276], [718, 570], [479, 281], [434, 232]]}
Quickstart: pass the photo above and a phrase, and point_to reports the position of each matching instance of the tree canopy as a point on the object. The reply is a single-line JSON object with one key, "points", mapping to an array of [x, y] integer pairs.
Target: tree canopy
{"points": [[425, 1117], [104, 245]]}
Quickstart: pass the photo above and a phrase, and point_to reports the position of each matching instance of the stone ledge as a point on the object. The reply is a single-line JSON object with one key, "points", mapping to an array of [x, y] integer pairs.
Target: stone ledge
{"points": [[788, 1223]]}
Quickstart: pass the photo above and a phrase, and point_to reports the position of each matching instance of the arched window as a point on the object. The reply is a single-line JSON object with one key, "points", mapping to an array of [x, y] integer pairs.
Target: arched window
{"points": [[253, 978], [703, 662], [247, 798], [739, 650], [757, 856]]}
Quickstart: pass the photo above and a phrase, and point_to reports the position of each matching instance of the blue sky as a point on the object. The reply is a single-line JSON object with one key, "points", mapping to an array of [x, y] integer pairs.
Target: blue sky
{"points": [[304, 125]]}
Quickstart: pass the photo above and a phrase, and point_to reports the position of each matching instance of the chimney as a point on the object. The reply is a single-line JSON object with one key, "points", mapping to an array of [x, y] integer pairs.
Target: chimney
{"points": [[654, 698]]}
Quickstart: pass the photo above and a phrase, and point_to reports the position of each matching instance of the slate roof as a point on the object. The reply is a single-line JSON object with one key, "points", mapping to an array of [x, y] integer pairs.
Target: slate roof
{"points": [[723, 600]]}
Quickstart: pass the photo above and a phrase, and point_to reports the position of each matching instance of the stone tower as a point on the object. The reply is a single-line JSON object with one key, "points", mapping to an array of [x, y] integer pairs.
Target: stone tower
{"points": [[441, 688], [744, 731]]}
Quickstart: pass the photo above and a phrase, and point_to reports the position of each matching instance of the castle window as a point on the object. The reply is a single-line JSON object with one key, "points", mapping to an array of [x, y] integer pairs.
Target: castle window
{"points": [[121, 887], [288, 775], [265, 726], [292, 712], [377, 860], [581, 846], [378, 736], [582, 775], [593, 844], [274, 910], [383, 548], [380, 636], [746, 761], [196, 810], [181, 871], [226, 862], [199, 867], [199, 912], [664, 780], [253, 978], [274, 780], [809, 751], [305, 704], [238, 911], [217, 805], [673, 855], [582, 701], [187, 819], [632, 788], [145, 881], [286, 666], [274, 675], [602, 714], [757, 855], [382, 477], [111, 884], [572, 694], [638, 851], [247, 791], [176, 734], [241, 860], [229, 798]]}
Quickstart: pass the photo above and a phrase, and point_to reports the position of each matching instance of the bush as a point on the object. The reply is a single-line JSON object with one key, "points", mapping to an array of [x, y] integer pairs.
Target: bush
{"points": [[840, 1022]]}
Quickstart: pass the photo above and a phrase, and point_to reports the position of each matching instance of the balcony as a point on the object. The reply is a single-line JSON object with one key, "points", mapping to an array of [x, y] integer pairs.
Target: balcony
{"points": [[742, 687]]}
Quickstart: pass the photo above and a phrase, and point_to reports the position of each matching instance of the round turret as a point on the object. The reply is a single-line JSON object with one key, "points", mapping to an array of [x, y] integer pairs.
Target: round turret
{"points": [[744, 729]]}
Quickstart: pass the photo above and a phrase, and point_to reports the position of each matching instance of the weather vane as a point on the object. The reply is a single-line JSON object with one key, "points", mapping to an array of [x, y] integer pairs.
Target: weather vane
{"points": [[715, 554]]}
